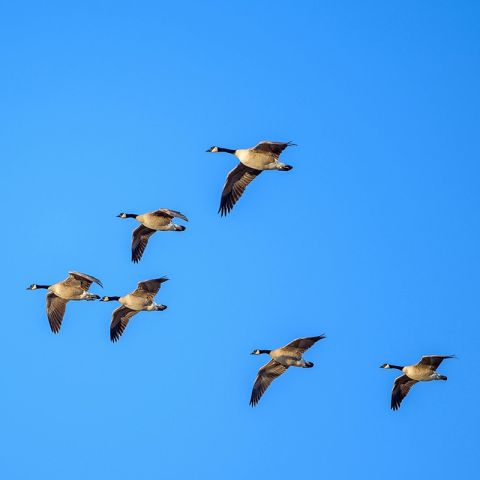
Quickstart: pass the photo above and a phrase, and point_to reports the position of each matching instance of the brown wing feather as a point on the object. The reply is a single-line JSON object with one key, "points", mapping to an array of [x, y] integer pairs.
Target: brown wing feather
{"points": [[150, 286], [84, 279], [401, 387], [303, 344], [120, 318], [275, 148], [236, 183], [140, 239], [165, 212], [55, 311], [266, 375], [433, 361]]}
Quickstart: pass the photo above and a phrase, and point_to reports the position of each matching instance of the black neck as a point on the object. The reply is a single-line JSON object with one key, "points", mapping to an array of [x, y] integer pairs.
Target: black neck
{"points": [[113, 298], [396, 366], [264, 351], [226, 150], [131, 215], [46, 287]]}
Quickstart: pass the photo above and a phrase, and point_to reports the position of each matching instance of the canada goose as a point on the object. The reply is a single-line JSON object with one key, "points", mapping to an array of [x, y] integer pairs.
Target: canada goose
{"points": [[74, 287], [151, 222], [288, 356], [423, 371], [139, 300], [263, 156]]}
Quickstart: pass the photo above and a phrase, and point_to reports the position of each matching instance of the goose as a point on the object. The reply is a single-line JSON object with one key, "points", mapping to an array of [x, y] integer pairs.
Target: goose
{"points": [[263, 156], [151, 222], [291, 355], [424, 371], [74, 287], [139, 300]]}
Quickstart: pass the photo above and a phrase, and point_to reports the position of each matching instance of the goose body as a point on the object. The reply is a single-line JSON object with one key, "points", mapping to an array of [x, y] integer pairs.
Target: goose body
{"points": [[74, 287], [253, 161], [424, 371], [151, 222], [290, 355], [141, 299]]}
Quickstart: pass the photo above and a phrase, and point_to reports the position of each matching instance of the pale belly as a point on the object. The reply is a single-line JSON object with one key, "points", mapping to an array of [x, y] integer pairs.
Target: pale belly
{"points": [[155, 223], [422, 376], [286, 360], [133, 302], [67, 293], [259, 161]]}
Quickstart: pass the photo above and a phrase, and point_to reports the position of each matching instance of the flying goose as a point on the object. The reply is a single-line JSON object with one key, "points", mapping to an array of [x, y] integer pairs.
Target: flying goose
{"points": [[290, 355], [151, 222], [263, 156], [423, 371], [139, 300], [74, 287]]}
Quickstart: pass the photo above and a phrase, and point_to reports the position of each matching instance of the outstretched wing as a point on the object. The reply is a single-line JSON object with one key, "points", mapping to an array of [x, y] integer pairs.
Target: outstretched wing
{"points": [[236, 183], [120, 318], [401, 387], [150, 286], [301, 345], [433, 361], [275, 148], [139, 241], [165, 212], [55, 311], [266, 375], [84, 279]]}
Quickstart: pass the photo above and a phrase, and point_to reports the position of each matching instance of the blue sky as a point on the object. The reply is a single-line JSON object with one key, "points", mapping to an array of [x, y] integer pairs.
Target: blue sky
{"points": [[372, 238]]}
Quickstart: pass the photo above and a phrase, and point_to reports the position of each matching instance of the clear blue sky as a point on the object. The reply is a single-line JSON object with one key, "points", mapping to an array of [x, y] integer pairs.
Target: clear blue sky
{"points": [[373, 238]]}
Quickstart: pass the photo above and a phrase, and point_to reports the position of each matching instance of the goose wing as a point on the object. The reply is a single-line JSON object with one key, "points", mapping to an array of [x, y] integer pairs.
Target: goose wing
{"points": [[140, 239], [150, 287], [55, 311], [275, 148], [401, 387], [165, 212], [433, 361], [236, 183], [266, 375], [301, 345], [84, 279], [120, 318]]}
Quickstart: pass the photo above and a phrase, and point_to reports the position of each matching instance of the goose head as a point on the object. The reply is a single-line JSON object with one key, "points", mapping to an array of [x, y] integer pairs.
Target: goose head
{"points": [[213, 149], [35, 286], [108, 299]]}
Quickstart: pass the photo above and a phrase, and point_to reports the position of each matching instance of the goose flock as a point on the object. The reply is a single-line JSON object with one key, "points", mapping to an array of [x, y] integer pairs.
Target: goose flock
{"points": [[252, 162]]}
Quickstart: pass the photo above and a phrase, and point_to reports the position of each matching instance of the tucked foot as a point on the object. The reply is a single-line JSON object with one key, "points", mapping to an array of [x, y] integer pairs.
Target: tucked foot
{"points": [[92, 297], [179, 228], [308, 365], [286, 168]]}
